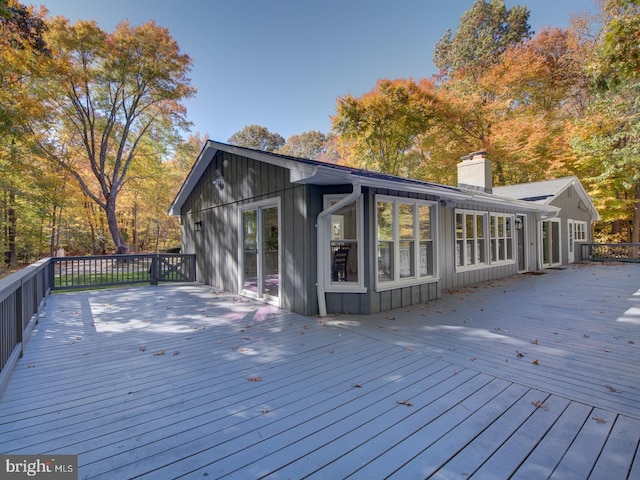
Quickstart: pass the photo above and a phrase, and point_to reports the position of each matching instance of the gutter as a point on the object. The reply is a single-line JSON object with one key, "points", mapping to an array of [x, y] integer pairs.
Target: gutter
{"points": [[320, 236]]}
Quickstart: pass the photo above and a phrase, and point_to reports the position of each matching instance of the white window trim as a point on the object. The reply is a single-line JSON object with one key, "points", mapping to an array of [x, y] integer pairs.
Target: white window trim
{"points": [[416, 279], [583, 231], [343, 287], [487, 240], [506, 261]]}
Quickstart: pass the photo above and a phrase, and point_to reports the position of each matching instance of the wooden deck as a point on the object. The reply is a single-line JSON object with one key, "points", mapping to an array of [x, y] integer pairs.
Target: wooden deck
{"points": [[535, 376]]}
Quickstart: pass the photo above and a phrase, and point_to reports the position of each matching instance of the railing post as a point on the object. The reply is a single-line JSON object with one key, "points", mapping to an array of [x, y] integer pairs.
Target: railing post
{"points": [[154, 269]]}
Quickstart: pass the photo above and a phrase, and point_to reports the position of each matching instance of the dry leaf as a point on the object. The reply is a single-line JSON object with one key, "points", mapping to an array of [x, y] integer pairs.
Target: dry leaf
{"points": [[409, 349], [536, 362], [357, 385], [405, 402], [473, 359], [246, 338], [535, 342], [541, 405], [255, 379], [264, 410], [143, 349], [611, 389], [159, 352], [519, 354], [631, 342], [607, 350], [598, 419], [177, 352]]}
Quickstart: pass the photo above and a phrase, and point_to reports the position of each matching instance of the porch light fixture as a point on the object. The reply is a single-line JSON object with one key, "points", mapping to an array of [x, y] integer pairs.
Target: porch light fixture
{"points": [[198, 225], [518, 224]]}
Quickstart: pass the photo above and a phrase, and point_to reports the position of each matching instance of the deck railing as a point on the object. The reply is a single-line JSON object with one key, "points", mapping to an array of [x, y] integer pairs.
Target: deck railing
{"points": [[113, 270], [24, 293], [616, 252]]}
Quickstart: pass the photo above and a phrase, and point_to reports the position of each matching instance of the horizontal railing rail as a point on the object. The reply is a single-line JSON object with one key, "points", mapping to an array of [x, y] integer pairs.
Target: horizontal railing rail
{"points": [[24, 293], [614, 252], [114, 270]]}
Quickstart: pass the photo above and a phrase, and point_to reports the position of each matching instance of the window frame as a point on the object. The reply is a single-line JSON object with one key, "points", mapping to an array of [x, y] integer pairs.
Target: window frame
{"points": [[480, 244], [579, 231], [330, 285], [507, 237], [416, 278]]}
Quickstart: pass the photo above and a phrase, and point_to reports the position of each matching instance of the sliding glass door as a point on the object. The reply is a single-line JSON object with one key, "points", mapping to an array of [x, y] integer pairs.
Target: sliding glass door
{"points": [[261, 251]]}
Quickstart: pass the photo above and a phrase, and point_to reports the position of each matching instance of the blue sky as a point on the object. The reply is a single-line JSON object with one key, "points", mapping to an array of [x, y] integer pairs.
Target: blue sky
{"points": [[282, 64]]}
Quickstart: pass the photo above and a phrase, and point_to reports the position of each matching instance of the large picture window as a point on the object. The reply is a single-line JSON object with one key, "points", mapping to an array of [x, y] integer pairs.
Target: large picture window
{"points": [[405, 243]]}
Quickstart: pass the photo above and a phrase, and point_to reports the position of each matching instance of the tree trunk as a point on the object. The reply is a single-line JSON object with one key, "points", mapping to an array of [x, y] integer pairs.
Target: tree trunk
{"points": [[11, 229], [112, 223], [635, 229]]}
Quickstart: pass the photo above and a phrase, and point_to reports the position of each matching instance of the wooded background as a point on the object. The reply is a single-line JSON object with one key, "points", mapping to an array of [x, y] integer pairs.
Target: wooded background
{"points": [[93, 131]]}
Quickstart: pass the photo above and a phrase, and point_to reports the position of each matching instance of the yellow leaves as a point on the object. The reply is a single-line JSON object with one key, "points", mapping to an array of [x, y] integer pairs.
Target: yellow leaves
{"points": [[598, 419], [254, 378], [158, 353], [406, 403]]}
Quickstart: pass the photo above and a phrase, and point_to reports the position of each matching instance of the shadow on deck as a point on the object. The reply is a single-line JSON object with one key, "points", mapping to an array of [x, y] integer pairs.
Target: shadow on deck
{"points": [[534, 376]]}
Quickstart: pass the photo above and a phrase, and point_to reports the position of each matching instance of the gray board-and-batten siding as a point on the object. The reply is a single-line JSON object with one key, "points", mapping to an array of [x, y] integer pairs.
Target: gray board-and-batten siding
{"points": [[247, 181]]}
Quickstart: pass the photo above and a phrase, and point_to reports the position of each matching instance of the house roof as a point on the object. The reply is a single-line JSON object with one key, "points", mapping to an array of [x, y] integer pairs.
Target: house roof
{"points": [[545, 192], [307, 171]]}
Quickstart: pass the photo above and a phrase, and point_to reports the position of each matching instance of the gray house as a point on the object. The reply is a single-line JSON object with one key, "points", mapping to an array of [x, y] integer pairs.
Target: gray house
{"points": [[313, 237]]}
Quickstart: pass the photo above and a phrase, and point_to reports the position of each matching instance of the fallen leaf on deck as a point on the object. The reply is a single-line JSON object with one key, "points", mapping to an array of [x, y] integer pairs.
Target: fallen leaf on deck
{"points": [[143, 349], [473, 359], [631, 342], [611, 389], [536, 362], [245, 338], [585, 335], [255, 379], [535, 342], [159, 352], [264, 410], [234, 347], [177, 352], [405, 402], [598, 419], [389, 318], [541, 405], [409, 349], [519, 354], [357, 385], [607, 350]]}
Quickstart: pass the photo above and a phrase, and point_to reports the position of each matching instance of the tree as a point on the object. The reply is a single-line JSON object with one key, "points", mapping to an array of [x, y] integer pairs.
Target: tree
{"points": [[312, 144], [484, 33], [378, 130], [114, 99], [607, 137], [258, 138]]}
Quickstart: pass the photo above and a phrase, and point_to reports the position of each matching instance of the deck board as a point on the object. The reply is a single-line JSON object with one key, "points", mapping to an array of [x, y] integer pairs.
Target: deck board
{"points": [[333, 396]]}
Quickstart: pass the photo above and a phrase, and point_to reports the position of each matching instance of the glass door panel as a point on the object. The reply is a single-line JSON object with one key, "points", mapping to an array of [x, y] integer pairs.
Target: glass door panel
{"points": [[270, 274], [250, 251]]}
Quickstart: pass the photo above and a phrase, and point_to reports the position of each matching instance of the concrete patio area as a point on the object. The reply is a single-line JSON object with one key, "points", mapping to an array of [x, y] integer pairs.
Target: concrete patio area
{"points": [[534, 376]]}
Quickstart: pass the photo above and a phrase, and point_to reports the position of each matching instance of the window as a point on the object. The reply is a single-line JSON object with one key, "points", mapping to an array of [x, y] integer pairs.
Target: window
{"points": [[404, 238], [345, 232], [580, 231], [502, 238], [470, 239]]}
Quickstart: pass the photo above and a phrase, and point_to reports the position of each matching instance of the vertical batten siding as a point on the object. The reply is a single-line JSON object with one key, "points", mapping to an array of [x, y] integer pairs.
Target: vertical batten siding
{"points": [[247, 181]]}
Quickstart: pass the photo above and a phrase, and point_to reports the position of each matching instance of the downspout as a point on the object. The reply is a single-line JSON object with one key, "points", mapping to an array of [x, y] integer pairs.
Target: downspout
{"points": [[321, 236]]}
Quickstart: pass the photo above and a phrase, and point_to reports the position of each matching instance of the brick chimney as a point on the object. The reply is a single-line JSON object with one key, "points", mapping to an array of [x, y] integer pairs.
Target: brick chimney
{"points": [[475, 172]]}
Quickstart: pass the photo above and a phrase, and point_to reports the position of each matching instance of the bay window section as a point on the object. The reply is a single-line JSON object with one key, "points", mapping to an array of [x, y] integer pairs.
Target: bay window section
{"points": [[386, 253], [404, 240]]}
